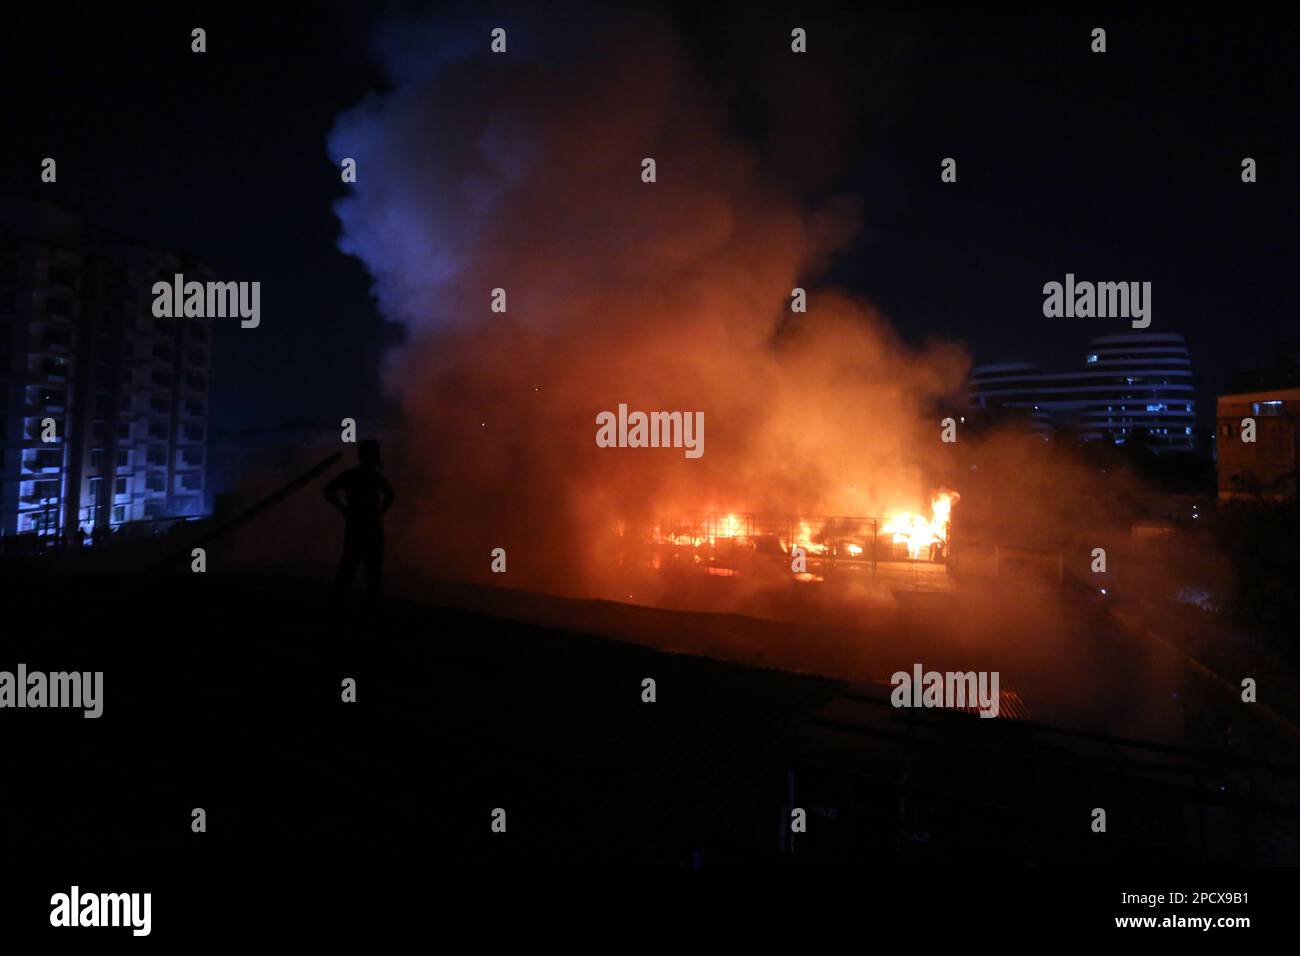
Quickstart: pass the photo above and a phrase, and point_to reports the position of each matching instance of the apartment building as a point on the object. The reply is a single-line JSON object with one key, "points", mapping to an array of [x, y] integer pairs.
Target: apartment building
{"points": [[103, 407]]}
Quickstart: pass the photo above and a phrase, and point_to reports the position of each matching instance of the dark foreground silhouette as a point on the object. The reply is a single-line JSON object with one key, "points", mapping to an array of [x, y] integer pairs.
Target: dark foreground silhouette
{"points": [[363, 495]]}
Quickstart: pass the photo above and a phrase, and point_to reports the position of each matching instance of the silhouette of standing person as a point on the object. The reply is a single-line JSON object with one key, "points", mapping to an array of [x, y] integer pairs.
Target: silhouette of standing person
{"points": [[365, 496]]}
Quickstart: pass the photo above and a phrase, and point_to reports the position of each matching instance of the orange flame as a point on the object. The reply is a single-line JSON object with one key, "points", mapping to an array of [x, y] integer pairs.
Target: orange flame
{"points": [[918, 532]]}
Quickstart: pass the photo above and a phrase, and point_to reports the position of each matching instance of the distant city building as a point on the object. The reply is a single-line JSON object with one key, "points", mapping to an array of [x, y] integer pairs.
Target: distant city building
{"points": [[127, 393], [1265, 467], [1132, 386]]}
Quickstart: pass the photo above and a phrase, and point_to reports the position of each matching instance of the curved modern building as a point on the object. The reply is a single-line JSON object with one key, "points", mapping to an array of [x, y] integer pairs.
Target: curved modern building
{"points": [[1133, 385]]}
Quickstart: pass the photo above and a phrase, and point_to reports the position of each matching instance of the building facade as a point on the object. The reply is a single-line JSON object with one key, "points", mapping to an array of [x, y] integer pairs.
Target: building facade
{"points": [[103, 407], [1265, 467], [1130, 387]]}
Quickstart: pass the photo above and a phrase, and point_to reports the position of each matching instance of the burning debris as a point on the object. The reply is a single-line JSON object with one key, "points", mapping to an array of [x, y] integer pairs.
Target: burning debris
{"points": [[924, 536], [719, 542]]}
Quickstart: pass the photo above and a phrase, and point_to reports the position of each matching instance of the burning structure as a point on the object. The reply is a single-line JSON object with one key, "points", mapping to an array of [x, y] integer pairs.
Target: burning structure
{"points": [[813, 546]]}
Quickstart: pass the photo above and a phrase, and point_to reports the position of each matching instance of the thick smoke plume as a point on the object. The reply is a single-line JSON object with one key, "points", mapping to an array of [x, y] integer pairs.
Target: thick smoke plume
{"points": [[479, 171], [522, 172]]}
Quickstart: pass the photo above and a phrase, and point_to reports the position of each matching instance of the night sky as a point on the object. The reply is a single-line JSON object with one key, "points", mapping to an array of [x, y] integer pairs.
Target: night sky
{"points": [[1122, 166]]}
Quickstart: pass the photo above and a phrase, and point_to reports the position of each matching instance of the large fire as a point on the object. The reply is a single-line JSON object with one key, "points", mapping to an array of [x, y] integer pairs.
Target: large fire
{"points": [[671, 299], [827, 538], [918, 533]]}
